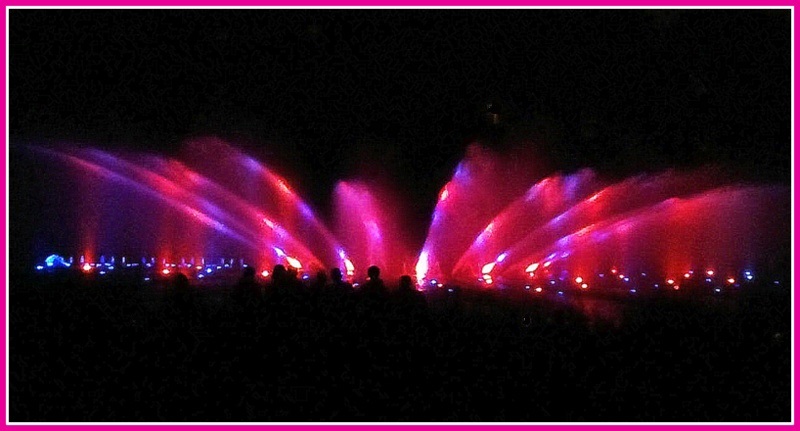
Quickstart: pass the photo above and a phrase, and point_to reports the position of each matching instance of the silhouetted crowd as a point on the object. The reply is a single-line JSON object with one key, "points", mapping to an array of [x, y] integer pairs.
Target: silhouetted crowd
{"points": [[285, 349]]}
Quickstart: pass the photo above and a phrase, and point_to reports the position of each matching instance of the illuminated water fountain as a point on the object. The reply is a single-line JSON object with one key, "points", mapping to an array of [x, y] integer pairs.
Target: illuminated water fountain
{"points": [[499, 221], [576, 227]]}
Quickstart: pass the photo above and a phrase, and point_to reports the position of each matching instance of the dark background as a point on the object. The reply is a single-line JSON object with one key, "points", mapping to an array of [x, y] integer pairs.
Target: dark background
{"points": [[324, 95], [399, 95]]}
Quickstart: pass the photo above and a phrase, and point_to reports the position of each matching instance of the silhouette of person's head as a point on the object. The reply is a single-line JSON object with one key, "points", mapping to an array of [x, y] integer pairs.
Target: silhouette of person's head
{"points": [[180, 283], [405, 283], [336, 275], [322, 277], [278, 274], [374, 273], [249, 272]]}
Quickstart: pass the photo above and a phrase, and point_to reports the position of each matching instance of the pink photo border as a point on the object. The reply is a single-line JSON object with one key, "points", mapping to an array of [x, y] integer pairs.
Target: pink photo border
{"points": [[358, 3]]}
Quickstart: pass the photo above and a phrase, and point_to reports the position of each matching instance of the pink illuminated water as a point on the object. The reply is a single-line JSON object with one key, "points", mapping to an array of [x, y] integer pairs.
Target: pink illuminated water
{"points": [[501, 219]]}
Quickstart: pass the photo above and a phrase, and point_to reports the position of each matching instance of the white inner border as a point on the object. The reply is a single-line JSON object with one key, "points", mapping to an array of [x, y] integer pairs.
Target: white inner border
{"points": [[7, 248]]}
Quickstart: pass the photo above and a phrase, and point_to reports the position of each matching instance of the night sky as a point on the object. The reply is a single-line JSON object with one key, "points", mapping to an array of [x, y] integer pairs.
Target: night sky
{"points": [[323, 95]]}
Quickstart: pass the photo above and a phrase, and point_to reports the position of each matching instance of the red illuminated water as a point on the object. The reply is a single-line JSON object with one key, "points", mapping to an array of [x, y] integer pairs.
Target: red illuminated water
{"points": [[499, 220]]}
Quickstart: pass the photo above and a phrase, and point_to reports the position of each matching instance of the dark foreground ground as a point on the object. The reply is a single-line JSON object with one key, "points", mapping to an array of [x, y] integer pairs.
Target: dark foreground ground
{"points": [[82, 350]]}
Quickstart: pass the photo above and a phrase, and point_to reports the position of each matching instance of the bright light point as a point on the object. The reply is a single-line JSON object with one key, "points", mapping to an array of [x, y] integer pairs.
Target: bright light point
{"points": [[279, 252], [305, 277], [731, 280], [601, 275], [501, 258], [747, 273], [421, 268], [450, 290], [644, 274], [488, 267], [626, 279], [527, 287], [670, 281], [349, 266], [87, 267], [584, 286], [147, 279], [621, 276], [39, 267], [538, 290], [342, 255], [594, 197], [265, 273], [294, 263], [676, 287], [708, 280], [200, 275], [749, 277], [718, 290], [552, 282], [209, 270], [560, 292], [440, 285], [548, 263], [443, 195], [532, 267], [613, 270], [687, 275], [489, 281], [165, 271], [633, 290], [579, 280], [710, 272], [656, 285], [776, 282]]}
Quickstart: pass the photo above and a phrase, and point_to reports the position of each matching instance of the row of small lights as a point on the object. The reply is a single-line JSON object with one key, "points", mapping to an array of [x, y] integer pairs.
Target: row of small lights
{"points": [[169, 268], [580, 282]]}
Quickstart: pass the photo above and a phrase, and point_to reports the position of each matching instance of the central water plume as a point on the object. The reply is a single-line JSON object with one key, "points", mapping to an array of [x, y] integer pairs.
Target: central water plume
{"points": [[367, 220]]}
